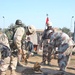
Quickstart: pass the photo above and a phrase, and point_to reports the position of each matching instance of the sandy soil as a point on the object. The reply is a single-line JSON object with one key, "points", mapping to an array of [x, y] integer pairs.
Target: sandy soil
{"points": [[45, 68]]}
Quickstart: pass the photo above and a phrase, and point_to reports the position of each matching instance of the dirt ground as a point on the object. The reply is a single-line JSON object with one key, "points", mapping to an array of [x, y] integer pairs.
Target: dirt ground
{"points": [[45, 68]]}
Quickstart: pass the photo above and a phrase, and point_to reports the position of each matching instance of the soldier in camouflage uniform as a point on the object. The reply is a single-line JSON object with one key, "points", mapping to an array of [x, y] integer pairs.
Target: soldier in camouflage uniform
{"points": [[4, 53], [44, 41], [65, 47], [20, 31], [18, 36]]}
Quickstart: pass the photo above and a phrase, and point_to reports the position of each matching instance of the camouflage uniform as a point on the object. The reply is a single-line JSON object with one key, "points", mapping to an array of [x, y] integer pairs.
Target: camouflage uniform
{"points": [[18, 36], [10, 60], [16, 45], [65, 46], [17, 42], [4, 53], [46, 51]]}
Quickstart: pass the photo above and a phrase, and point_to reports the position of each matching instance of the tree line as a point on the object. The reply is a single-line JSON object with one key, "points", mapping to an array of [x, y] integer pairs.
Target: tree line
{"points": [[64, 29]]}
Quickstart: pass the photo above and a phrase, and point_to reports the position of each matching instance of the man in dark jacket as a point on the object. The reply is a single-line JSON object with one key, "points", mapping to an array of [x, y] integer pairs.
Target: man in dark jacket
{"points": [[29, 46]]}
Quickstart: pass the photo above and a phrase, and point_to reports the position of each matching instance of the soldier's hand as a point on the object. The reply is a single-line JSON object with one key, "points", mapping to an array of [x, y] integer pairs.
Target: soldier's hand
{"points": [[73, 46], [56, 52], [20, 52]]}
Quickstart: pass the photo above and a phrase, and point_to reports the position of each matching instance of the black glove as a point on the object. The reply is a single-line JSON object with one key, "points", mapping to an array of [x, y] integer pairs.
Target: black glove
{"points": [[5, 52], [73, 46], [56, 52]]}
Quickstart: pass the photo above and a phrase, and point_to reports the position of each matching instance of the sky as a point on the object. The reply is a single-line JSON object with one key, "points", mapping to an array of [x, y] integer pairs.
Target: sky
{"points": [[33, 12]]}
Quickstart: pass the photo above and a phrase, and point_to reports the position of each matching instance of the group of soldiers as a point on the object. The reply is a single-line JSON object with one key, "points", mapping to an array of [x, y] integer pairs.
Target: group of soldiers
{"points": [[59, 42], [8, 58], [50, 41]]}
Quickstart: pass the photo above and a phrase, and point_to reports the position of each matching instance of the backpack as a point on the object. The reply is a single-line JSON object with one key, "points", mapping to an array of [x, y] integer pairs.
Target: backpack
{"points": [[5, 51], [10, 34]]}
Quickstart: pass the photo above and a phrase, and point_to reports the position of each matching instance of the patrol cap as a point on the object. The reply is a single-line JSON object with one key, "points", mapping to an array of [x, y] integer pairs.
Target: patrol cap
{"points": [[31, 29], [49, 23]]}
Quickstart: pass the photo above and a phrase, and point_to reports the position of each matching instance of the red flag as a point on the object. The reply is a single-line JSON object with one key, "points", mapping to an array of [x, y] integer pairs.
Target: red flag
{"points": [[47, 20]]}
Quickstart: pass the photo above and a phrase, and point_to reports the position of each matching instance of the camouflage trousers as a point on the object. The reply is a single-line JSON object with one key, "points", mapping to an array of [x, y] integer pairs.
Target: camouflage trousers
{"points": [[62, 61], [6, 62], [46, 54], [64, 58], [49, 54]]}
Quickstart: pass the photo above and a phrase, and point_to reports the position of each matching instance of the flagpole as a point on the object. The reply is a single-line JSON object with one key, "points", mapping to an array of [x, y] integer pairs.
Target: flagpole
{"points": [[46, 20], [74, 31], [3, 22], [71, 23]]}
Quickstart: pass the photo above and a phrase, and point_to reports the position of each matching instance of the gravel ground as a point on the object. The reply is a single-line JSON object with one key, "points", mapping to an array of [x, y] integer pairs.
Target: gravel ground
{"points": [[51, 70]]}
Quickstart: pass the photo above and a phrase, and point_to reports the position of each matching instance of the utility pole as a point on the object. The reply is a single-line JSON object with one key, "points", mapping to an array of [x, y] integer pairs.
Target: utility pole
{"points": [[3, 21], [71, 23], [74, 31]]}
